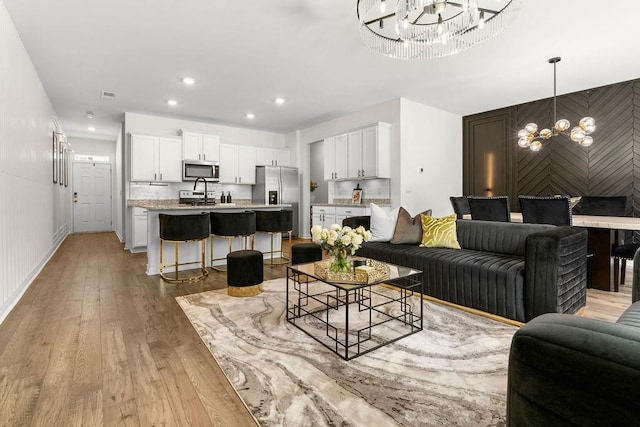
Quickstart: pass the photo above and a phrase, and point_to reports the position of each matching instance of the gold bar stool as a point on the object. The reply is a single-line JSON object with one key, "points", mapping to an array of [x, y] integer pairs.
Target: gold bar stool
{"points": [[231, 226], [275, 222], [178, 229]]}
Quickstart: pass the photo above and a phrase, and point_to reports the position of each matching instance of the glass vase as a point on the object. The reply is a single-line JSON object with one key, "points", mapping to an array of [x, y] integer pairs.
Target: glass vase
{"points": [[341, 262]]}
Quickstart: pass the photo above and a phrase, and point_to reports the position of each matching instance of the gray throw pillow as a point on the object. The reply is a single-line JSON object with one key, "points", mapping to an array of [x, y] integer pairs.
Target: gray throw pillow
{"points": [[408, 230]]}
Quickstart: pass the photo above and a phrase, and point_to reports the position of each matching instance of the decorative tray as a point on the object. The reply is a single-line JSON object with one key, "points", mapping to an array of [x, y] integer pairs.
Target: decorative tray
{"points": [[367, 271]]}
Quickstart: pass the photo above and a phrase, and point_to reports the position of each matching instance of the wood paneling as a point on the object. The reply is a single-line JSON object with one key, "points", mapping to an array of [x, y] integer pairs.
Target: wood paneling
{"points": [[610, 167]]}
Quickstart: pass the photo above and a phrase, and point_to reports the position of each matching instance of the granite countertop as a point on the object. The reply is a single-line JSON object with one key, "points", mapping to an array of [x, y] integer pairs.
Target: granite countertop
{"points": [[170, 204], [347, 203]]}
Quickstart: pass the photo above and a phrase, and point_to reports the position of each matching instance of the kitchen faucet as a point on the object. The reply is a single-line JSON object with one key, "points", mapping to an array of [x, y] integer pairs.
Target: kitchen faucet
{"points": [[195, 184]]}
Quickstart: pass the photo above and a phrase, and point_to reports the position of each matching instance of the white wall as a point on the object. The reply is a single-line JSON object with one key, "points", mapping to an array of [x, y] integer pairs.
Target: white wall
{"points": [[431, 142], [34, 212]]}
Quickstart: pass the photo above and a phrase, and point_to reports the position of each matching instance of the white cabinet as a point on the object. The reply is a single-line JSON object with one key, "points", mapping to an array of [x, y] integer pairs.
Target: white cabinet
{"points": [[156, 159], [237, 164], [335, 158], [139, 227], [363, 153], [346, 212], [324, 216], [273, 157], [200, 146]]}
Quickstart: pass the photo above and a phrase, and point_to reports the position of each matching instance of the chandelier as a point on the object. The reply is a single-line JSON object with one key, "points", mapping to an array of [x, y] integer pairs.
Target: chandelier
{"points": [[425, 29], [529, 137]]}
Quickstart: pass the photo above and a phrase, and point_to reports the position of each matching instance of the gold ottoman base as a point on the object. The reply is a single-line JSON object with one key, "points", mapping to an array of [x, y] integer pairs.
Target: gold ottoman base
{"points": [[245, 291]]}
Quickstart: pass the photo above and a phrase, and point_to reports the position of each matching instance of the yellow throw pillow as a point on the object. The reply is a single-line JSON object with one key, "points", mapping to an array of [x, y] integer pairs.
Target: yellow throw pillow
{"points": [[439, 232]]}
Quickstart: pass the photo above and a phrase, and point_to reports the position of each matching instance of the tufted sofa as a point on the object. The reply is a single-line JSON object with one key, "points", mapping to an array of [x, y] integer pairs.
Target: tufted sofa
{"points": [[517, 271]]}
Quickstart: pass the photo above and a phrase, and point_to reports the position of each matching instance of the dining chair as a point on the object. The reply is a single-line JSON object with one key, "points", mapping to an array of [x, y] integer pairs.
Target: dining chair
{"points": [[611, 206], [545, 210], [460, 206], [489, 208]]}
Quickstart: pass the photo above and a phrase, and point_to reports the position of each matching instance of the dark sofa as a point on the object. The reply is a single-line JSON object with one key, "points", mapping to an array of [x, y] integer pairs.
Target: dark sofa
{"points": [[517, 271], [569, 370]]}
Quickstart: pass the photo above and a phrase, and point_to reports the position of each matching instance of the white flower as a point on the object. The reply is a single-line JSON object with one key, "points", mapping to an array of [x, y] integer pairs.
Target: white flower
{"points": [[357, 239], [334, 227], [346, 229], [346, 240], [367, 236], [324, 234]]}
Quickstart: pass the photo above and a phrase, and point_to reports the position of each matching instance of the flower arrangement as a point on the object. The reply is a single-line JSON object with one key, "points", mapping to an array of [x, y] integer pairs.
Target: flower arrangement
{"points": [[313, 185], [340, 243]]}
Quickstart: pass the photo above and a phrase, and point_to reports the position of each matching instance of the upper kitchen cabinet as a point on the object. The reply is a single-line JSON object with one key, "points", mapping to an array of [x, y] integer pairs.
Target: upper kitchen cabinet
{"points": [[273, 157], [363, 153], [335, 158], [155, 159], [237, 164], [200, 146]]}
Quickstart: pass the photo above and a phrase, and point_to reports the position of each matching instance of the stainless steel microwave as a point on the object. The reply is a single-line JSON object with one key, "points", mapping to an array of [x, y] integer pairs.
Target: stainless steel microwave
{"points": [[192, 169]]}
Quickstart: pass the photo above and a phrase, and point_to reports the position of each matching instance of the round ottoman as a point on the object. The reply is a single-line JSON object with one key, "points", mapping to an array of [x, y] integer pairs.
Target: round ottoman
{"points": [[244, 273], [302, 253]]}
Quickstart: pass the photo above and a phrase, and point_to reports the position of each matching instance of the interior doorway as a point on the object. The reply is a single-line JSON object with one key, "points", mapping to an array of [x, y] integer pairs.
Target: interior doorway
{"points": [[91, 197]]}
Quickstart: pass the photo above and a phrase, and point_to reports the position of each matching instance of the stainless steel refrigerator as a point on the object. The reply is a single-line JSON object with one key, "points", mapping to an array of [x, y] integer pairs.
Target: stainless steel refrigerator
{"points": [[278, 185]]}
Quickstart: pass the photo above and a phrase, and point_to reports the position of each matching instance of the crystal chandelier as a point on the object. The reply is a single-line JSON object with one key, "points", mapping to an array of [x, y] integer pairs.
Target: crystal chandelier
{"points": [[529, 137], [425, 29]]}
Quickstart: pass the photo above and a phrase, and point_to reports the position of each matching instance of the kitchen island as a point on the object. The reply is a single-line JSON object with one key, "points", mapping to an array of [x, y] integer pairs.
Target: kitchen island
{"points": [[190, 251]]}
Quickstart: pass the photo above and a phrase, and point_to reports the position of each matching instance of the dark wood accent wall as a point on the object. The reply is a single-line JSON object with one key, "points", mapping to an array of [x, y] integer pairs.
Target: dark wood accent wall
{"points": [[610, 167]]}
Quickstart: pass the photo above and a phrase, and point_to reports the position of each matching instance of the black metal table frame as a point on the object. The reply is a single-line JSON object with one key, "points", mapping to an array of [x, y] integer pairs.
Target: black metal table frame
{"points": [[342, 296]]}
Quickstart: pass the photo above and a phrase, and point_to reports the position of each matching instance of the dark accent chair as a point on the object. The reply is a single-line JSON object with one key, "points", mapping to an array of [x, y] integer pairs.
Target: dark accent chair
{"points": [[489, 208], [569, 370], [610, 206], [545, 210], [460, 206]]}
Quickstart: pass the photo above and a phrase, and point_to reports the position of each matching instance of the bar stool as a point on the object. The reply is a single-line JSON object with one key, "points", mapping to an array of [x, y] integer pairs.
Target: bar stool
{"points": [[275, 222], [231, 226], [182, 229]]}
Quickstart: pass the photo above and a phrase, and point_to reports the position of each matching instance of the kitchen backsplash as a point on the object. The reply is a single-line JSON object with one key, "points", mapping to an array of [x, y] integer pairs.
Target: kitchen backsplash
{"points": [[371, 189], [138, 191]]}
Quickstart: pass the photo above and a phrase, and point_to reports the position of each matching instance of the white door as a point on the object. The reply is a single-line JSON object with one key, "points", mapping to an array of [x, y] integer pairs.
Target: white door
{"points": [[91, 197]]}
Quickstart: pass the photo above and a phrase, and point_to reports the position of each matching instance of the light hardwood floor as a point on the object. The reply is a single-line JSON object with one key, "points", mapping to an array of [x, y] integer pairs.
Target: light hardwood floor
{"points": [[95, 341]]}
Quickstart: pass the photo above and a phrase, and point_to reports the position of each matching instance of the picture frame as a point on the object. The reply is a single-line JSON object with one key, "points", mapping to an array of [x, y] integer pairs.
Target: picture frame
{"points": [[54, 154], [60, 162], [356, 197], [65, 160]]}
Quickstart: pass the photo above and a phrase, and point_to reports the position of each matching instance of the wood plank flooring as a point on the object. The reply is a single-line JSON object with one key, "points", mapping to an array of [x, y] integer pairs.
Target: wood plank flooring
{"points": [[95, 341]]}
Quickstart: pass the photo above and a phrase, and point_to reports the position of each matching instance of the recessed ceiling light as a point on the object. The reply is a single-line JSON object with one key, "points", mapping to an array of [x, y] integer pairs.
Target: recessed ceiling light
{"points": [[188, 80], [279, 101], [172, 102], [89, 115], [251, 116], [91, 129]]}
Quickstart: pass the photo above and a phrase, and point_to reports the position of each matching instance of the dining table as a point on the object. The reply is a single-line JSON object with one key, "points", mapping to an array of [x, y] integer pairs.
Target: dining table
{"points": [[603, 234]]}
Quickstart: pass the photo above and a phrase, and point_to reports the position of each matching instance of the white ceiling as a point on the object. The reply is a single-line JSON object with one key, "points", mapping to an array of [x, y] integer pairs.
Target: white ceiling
{"points": [[244, 54]]}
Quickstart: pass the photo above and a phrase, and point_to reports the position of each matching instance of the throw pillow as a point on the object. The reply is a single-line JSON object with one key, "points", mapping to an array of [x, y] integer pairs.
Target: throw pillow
{"points": [[408, 230], [439, 232], [382, 223]]}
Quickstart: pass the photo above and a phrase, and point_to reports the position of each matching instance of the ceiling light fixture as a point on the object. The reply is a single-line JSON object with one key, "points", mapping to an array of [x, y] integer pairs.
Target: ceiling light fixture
{"points": [[279, 101], [188, 80], [250, 116], [425, 29], [89, 115], [529, 137], [91, 129], [172, 102]]}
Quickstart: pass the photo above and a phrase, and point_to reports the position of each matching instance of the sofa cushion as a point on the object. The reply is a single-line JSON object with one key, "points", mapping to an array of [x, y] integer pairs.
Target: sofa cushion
{"points": [[631, 316], [488, 281], [500, 237], [439, 232], [408, 229], [382, 223]]}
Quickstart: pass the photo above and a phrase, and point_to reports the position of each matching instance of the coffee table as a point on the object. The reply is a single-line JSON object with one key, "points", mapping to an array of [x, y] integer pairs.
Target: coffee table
{"points": [[354, 319]]}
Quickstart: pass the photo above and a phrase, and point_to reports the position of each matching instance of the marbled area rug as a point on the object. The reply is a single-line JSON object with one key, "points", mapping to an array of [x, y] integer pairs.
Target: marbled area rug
{"points": [[453, 373]]}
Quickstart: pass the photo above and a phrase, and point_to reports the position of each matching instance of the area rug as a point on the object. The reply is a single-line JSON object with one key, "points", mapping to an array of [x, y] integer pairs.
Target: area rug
{"points": [[453, 373]]}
